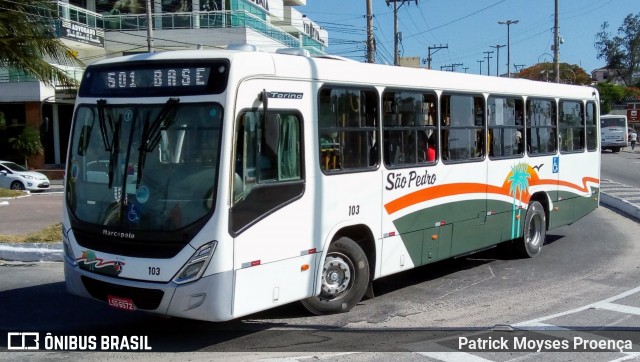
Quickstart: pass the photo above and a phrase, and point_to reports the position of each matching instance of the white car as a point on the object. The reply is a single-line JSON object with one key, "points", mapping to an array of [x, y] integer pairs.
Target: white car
{"points": [[16, 177]]}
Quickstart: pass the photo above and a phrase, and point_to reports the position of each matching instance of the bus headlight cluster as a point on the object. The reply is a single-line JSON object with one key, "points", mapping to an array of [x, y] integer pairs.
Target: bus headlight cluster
{"points": [[194, 268]]}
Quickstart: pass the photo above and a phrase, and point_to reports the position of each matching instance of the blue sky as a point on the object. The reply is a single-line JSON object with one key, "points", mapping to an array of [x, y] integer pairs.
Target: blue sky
{"points": [[470, 27]]}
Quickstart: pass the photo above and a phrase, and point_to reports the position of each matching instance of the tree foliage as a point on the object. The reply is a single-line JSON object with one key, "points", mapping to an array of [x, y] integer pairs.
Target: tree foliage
{"points": [[569, 73], [610, 94], [622, 52], [27, 143], [28, 41]]}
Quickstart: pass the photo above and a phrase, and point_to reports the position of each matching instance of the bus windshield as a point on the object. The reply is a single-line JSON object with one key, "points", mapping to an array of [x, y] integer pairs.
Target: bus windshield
{"points": [[613, 122], [150, 167]]}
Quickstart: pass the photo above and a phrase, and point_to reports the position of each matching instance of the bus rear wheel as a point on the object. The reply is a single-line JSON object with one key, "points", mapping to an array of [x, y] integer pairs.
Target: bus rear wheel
{"points": [[535, 231], [345, 276]]}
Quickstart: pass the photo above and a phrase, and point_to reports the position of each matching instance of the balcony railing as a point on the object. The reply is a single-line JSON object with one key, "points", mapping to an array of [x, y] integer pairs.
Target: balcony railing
{"points": [[202, 20], [189, 20], [83, 16], [16, 76]]}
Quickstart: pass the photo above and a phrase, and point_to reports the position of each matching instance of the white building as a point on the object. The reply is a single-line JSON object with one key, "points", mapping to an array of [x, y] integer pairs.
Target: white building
{"points": [[98, 29]]}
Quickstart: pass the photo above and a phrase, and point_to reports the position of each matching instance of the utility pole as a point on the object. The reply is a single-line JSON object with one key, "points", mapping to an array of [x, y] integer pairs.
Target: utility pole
{"points": [[451, 67], [556, 45], [488, 57], [149, 28], [396, 36], [508, 24], [371, 45], [497, 47], [436, 48], [480, 61], [517, 67], [465, 69]]}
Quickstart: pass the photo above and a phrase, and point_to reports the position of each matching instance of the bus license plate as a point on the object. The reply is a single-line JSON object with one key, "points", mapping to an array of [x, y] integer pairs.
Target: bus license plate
{"points": [[121, 303]]}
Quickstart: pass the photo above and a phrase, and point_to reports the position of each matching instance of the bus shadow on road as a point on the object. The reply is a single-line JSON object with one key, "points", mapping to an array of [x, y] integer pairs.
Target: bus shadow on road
{"points": [[49, 308]]}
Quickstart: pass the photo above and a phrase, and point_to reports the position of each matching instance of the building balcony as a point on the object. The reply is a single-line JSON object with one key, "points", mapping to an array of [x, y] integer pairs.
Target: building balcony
{"points": [[210, 20], [83, 29]]}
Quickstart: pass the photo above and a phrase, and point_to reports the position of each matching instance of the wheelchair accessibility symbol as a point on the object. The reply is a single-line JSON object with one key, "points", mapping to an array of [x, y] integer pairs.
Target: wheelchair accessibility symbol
{"points": [[556, 164]]}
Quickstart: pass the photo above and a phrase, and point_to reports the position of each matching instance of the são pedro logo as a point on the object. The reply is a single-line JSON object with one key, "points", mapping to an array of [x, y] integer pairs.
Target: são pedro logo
{"points": [[89, 261]]}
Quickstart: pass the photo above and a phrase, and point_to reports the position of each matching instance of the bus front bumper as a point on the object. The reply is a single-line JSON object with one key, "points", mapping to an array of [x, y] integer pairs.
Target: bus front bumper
{"points": [[209, 298]]}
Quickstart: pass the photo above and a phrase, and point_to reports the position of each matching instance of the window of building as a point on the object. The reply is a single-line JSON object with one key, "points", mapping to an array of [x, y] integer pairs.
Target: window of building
{"points": [[506, 127], [463, 119], [347, 120], [541, 127], [409, 128]]}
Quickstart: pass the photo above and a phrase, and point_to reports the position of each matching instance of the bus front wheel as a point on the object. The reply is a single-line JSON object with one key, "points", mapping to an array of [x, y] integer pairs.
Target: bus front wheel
{"points": [[535, 231], [345, 276]]}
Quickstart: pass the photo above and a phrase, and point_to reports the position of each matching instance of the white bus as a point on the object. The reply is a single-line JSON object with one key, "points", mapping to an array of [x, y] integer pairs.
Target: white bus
{"points": [[215, 184], [613, 132]]}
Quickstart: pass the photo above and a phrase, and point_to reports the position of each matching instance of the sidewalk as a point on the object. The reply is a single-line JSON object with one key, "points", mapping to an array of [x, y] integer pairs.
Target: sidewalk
{"points": [[622, 198]]}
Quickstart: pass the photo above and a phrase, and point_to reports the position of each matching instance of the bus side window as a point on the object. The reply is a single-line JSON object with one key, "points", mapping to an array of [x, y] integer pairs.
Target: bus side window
{"points": [[409, 128], [266, 152], [463, 136], [541, 126], [268, 169], [506, 128], [571, 126], [592, 126], [347, 120]]}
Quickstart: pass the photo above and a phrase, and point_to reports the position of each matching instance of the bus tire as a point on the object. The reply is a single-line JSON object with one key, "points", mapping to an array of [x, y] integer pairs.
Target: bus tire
{"points": [[345, 276], [535, 231]]}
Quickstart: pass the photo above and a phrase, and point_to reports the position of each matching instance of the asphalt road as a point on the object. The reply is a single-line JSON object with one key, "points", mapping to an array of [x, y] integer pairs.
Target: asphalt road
{"points": [[585, 278], [622, 167], [583, 273]]}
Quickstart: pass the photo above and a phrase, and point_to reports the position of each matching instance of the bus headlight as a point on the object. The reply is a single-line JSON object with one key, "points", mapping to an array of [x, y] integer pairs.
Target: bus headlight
{"points": [[194, 268]]}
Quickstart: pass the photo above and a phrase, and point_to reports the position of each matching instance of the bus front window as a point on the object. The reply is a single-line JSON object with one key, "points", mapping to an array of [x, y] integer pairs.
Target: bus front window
{"points": [[144, 167]]}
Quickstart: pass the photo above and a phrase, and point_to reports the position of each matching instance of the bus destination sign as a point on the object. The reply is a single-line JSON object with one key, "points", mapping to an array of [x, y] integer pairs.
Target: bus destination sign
{"points": [[159, 80]]}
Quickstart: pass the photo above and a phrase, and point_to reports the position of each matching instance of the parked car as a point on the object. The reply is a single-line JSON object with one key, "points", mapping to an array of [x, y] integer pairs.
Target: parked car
{"points": [[16, 177]]}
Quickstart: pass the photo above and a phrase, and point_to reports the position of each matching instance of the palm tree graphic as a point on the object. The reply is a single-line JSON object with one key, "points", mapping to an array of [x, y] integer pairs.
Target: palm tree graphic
{"points": [[518, 183]]}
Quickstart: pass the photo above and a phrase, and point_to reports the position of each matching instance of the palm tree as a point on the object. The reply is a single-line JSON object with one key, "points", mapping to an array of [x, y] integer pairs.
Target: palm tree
{"points": [[28, 41], [519, 182]]}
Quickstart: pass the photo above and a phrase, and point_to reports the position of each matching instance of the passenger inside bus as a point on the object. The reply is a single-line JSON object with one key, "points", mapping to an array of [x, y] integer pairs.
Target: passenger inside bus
{"points": [[431, 147], [416, 147]]}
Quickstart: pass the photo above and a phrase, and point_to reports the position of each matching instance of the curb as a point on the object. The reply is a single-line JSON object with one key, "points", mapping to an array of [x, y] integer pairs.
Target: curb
{"points": [[623, 206], [31, 251]]}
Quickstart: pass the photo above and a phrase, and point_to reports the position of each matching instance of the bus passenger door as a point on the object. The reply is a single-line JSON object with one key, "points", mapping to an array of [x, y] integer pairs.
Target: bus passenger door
{"points": [[270, 215]]}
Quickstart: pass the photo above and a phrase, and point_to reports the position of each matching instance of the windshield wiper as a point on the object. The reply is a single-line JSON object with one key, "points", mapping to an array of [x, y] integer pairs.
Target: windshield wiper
{"points": [[110, 145], [103, 126], [152, 133], [114, 150]]}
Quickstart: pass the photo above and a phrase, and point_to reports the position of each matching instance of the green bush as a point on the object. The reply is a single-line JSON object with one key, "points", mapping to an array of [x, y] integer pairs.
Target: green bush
{"points": [[28, 143]]}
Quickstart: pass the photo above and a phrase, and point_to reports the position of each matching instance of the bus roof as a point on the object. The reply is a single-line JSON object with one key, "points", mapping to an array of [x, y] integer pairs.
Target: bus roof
{"points": [[340, 70]]}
